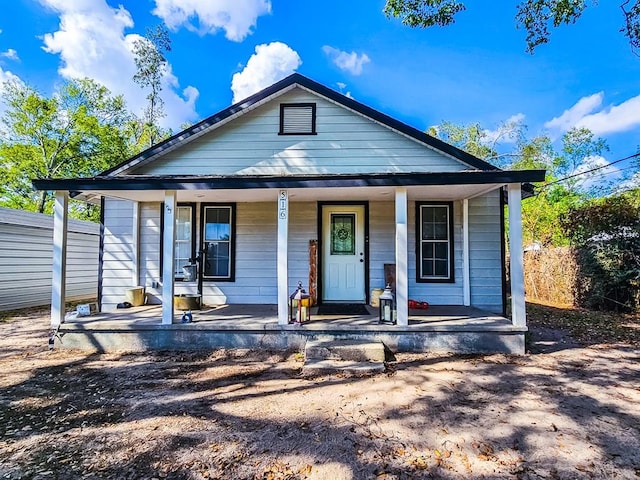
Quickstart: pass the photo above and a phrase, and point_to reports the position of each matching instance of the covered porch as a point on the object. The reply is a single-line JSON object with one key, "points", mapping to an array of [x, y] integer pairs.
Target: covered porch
{"points": [[440, 328]]}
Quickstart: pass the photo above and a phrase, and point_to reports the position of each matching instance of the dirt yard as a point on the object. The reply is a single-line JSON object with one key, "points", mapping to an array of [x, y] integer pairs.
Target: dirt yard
{"points": [[568, 409]]}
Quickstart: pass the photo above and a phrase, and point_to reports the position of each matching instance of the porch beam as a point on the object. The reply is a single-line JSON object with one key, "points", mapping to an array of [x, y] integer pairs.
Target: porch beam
{"points": [[402, 274], [466, 277], [518, 308], [283, 252], [168, 253], [59, 276]]}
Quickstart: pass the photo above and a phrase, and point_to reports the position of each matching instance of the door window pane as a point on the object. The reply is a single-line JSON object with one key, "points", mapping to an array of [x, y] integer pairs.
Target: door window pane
{"points": [[343, 241]]}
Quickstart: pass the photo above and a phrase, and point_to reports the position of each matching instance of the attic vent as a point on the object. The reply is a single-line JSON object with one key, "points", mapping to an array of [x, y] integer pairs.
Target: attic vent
{"points": [[297, 119]]}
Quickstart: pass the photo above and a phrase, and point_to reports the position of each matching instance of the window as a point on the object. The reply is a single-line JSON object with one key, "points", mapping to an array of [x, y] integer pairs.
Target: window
{"points": [[184, 239], [218, 231], [434, 234], [297, 119]]}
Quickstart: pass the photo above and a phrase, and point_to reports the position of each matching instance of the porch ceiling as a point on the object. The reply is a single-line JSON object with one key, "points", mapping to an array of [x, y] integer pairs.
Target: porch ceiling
{"points": [[430, 192]]}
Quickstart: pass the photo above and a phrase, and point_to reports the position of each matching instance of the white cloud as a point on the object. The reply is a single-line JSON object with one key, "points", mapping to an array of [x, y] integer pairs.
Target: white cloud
{"points": [[588, 112], [5, 77], [91, 43], [604, 173], [236, 17], [11, 54], [351, 62], [506, 132], [270, 63]]}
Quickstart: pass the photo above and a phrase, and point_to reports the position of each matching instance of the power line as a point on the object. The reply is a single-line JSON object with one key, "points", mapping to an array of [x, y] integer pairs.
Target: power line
{"points": [[594, 169]]}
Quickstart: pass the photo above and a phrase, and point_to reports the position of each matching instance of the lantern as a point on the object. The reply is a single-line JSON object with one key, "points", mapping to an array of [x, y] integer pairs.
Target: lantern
{"points": [[299, 305], [386, 306]]}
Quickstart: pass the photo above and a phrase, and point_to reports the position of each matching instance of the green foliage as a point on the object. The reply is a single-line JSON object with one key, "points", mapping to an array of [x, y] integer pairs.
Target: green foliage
{"points": [[424, 13], [151, 65], [77, 132], [607, 234], [536, 17]]}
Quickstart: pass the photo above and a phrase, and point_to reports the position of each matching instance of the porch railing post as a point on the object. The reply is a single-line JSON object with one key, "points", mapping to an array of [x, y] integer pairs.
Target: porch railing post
{"points": [[402, 274], [516, 264], [59, 276], [168, 253], [283, 252]]}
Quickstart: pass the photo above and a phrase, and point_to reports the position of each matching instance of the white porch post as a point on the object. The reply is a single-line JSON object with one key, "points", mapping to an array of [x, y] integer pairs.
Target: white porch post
{"points": [[135, 245], [283, 252], [518, 309], [466, 286], [402, 274], [59, 277], [168, 252]]}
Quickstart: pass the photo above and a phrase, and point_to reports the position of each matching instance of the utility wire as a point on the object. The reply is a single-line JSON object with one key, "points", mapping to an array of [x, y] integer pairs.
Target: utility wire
{"points": [[600, 167]]}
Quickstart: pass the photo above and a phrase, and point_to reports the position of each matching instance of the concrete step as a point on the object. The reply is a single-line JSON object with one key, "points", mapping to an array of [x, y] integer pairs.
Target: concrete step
{"points": [[347, 350], [316, 367]]}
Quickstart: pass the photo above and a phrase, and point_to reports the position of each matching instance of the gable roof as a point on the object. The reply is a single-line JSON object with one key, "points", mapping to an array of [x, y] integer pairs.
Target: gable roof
{"points": [[277, 88]]}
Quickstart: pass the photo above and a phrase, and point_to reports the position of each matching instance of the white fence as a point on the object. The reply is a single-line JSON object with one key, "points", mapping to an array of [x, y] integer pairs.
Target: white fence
{"points": [[26, 259]]}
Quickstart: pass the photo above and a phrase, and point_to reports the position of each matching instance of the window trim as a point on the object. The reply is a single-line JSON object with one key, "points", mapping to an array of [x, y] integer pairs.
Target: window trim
{"points": [[180, 278], [284, 106], [418, 234], [232, 242]]}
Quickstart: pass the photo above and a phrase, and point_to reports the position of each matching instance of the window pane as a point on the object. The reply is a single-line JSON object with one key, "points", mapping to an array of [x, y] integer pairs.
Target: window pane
{"points": [[217, 259], [441, 268], [217, 224], [427, 268], [442, 250], [183, 254], [435, 241]]}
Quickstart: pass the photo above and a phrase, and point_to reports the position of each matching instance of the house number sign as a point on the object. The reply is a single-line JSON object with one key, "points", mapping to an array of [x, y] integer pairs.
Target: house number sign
{"points": [[282, 205]]}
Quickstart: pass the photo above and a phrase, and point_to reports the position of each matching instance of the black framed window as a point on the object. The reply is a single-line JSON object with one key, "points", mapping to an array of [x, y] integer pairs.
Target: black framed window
{"points": [[434, 235], [297, 119], [218, 242]]}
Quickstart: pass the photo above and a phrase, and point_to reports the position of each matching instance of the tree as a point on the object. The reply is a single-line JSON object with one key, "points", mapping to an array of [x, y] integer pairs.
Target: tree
{"points": [[556, 196], [535, 16], [151, 66], [78, 131]]}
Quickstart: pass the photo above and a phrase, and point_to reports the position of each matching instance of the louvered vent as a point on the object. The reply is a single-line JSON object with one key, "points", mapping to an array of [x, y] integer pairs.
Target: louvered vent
{"points": [[298, 119]]}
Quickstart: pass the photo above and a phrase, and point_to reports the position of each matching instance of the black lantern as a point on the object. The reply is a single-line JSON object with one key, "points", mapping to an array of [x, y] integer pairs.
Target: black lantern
{"points": [[299, 306], [386, 306]]}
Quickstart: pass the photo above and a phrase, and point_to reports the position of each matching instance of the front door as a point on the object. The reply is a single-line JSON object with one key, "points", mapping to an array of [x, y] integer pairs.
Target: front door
{"points": [[343, 253]]}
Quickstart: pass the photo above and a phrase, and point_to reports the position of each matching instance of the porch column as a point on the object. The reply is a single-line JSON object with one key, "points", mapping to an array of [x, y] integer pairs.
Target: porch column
{"points": [[466, 286], [135, 245], [283, 252], [402, 274], [59, 277], [518, 309], [168, 253]]}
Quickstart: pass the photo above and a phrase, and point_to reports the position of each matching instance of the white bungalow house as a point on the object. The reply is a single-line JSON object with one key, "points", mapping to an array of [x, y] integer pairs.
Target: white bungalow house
{"points": [[249, 189]]}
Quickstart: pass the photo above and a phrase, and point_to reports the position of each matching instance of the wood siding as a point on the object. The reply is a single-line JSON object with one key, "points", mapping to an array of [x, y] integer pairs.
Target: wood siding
{"points": [[256, 246], [485, 257], [118, 254], [26, 259], [346, 142]]}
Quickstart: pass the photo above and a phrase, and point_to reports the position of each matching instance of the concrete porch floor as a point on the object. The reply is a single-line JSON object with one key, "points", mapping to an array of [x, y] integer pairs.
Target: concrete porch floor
{"points": [[440, 328]]}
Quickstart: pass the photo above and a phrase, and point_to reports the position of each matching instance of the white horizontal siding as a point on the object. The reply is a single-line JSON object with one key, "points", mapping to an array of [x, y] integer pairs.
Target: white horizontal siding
{"points": [[382, 240], [436, 293], [485, 262], [26, 259], [346, 142], [118, 255]]}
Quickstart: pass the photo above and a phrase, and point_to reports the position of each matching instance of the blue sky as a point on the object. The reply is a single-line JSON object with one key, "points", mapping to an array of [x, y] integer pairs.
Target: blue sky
{"points": [[223, 50]]}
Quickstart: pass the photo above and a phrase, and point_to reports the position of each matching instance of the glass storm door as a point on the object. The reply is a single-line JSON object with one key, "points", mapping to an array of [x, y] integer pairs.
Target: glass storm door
{"points": [[343, 262]]}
